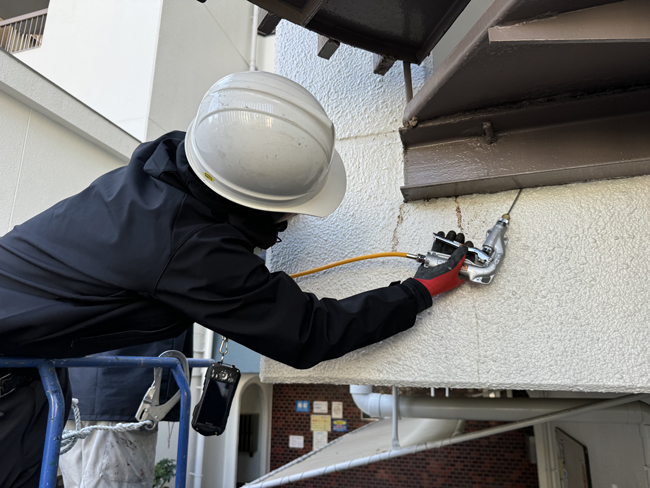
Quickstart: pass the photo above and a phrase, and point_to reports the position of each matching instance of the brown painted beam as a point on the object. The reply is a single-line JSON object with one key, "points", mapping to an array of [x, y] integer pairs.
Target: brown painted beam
{"points": [[627, 21], [529, 145]]}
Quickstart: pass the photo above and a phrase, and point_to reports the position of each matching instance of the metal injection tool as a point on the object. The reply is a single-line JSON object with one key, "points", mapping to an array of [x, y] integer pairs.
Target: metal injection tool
{"points": [[488, 259], [481, 269]]}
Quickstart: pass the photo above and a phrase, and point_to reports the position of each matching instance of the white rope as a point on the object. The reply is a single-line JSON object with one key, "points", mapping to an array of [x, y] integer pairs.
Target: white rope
{"points": [[70, 437], [68, 444]]}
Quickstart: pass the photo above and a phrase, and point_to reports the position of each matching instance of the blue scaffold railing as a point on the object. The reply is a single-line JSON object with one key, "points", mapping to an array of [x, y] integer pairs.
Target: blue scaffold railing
{"points": [[56, 420]]}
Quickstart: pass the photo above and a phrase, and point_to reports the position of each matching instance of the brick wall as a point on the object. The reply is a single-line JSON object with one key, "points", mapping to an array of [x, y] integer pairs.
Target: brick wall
{"points": [[498, 461]]}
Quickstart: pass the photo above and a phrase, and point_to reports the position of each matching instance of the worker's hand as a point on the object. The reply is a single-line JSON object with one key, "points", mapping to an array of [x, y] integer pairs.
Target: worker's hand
{"points": [[443, 277]]}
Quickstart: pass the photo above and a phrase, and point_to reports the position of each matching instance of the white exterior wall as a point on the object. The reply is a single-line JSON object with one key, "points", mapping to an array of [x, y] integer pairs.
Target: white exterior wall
{"points": [[146, 64], [51, 145], [104, 54], [569, 307]]}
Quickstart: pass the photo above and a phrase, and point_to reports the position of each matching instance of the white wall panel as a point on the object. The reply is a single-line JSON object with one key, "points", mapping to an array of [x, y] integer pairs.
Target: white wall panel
{"points": [[56, 164]]}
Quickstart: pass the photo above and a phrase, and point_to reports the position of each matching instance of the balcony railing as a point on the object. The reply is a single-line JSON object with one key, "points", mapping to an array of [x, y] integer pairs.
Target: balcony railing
{"points": [[23, 32]]}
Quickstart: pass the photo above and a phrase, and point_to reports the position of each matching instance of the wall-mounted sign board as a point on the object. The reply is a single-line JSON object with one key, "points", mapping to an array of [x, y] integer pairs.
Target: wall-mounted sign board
{"points": [[297, 441], [302, 406], [337, 410], [573, 461], [321, 423], [340, 425], [320, 407], [320, 440]]}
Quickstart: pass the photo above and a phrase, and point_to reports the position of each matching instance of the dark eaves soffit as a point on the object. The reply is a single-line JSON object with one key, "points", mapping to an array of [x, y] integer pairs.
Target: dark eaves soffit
{"points": [[405, 30], [539, 92]]}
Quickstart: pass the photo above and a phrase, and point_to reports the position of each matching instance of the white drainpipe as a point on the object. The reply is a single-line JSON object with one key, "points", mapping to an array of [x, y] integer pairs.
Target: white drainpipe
{"points": [[252, 66], [496, 409], [396, 417], [208, 339]]}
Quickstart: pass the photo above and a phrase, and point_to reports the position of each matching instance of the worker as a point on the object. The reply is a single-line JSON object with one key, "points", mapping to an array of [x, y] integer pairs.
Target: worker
{"points": [[170, 239]]}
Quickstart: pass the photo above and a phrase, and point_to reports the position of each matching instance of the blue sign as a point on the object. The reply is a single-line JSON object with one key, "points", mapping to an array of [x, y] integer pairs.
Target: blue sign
{"points": [[339, 425], [302, 406]]}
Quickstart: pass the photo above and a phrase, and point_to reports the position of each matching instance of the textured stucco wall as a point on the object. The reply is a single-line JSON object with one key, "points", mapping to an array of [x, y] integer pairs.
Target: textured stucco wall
{"points": [[569, 308]]}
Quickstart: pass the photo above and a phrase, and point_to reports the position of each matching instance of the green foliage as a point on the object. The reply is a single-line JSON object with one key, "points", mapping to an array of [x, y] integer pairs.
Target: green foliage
{"points": [[163, 472]]}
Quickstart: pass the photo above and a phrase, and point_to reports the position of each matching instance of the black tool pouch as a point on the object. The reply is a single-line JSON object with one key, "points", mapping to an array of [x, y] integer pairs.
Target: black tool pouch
{"points": [[211, 413]]}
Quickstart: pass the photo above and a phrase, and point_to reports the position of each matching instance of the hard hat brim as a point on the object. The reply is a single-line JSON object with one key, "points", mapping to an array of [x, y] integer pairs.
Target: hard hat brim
{"points": [[321, 204], [331, 195]]}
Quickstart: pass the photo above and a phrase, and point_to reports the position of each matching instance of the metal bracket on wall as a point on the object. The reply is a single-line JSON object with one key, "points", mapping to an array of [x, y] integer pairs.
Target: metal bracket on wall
{"points": [[268, 22], [381, 64], [327, 47]]}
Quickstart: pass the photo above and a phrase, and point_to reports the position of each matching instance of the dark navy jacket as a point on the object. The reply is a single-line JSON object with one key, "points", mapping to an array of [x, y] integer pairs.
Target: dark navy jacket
{"points": [[115, 394], [148, 249]]}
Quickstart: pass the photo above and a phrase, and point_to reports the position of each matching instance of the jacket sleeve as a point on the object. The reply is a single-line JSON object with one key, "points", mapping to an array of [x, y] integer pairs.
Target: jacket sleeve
{"points": [[217, 281]]}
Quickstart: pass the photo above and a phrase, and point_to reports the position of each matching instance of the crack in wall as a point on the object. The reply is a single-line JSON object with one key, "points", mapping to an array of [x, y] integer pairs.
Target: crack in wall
{"points": [[400, 219], [459, 215], [370, 134]]}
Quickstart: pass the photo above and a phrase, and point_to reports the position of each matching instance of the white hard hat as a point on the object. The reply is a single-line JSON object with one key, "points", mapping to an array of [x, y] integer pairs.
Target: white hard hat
{"points": [[263, 141]]}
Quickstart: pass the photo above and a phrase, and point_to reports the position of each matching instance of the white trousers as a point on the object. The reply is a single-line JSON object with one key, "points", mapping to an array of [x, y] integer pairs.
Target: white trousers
{"points": [[108, 459]]}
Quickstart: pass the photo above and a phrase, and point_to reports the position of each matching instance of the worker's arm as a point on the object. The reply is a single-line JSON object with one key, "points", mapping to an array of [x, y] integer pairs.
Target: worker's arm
{"points": [[217, 281]]}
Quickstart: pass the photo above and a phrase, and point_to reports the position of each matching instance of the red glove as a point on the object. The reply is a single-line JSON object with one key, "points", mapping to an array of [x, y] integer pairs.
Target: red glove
{"points": [[443, 277]]}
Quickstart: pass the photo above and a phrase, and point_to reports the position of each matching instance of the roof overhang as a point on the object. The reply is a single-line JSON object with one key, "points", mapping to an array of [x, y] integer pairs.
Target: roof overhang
{"points": [[406, 30], [533, 97], [538, 92]]}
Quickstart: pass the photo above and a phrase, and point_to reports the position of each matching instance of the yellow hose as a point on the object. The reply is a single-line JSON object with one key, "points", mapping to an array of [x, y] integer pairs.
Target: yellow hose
{"points": [[351, 260]]}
